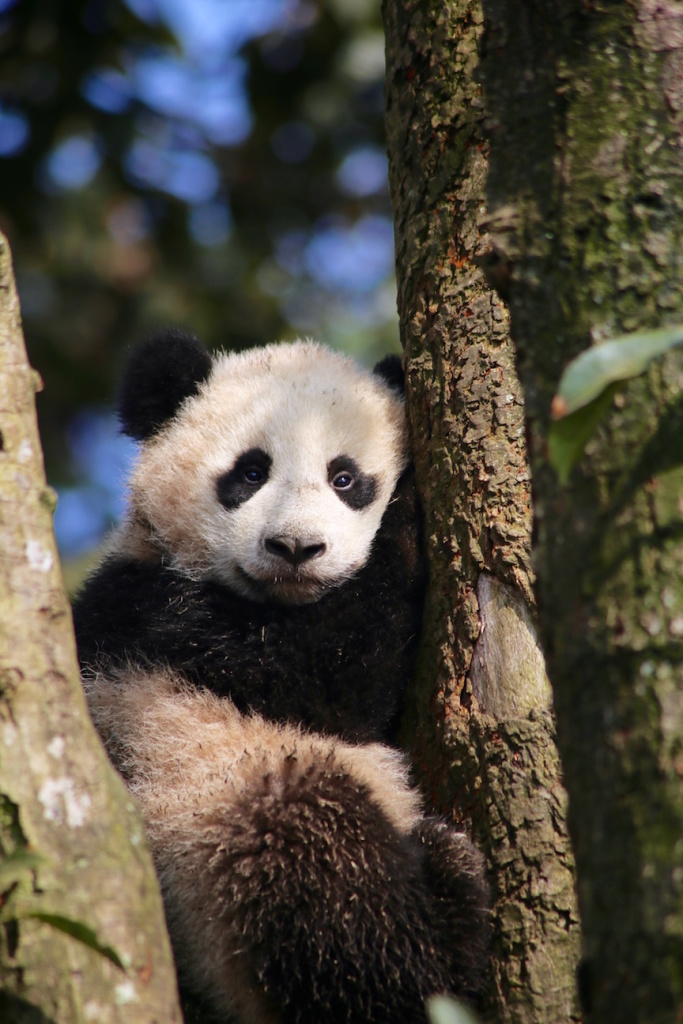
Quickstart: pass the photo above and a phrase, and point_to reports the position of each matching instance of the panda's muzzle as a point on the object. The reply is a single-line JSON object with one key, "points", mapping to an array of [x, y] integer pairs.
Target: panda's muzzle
{"points": [[294, 550]]}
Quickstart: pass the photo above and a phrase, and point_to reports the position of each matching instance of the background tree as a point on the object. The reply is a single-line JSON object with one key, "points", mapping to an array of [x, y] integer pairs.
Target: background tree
{"points": [[586, 108]]}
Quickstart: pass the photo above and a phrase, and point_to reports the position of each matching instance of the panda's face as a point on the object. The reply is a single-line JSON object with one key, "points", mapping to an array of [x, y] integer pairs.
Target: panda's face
{"points": [[273, 478]]}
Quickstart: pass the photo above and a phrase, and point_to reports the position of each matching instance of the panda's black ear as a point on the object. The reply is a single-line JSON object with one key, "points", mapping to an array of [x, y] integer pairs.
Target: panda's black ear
{"points": [[160, 373], [391, 370]]}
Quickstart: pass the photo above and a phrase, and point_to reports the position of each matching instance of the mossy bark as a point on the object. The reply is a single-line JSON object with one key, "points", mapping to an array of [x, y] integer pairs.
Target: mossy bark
{"points": [[60, 800], [586, 199], [483, 732]]}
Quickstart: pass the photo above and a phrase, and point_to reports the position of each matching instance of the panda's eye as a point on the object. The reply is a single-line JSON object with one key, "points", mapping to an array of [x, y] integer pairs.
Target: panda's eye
{"points": [[239, 484], [350, 485], [253, 474], [343, 481]]}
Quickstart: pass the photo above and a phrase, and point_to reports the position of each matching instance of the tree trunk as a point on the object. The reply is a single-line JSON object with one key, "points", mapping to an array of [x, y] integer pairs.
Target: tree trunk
{"points": [[587, 212], [71, 842], [483, 731]]}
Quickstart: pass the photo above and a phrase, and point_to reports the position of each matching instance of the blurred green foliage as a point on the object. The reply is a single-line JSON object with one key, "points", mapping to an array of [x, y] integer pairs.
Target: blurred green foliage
{"points": [[106, 248]]}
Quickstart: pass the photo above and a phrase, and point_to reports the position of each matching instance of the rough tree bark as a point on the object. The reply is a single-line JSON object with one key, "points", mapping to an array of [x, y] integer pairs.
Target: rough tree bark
{"points": [[484, 733], [586, 195], [60, 801]]}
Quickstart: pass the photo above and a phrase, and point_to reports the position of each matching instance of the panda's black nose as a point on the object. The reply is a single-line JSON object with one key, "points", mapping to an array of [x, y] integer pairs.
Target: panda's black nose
{"points": [[293, 549]]}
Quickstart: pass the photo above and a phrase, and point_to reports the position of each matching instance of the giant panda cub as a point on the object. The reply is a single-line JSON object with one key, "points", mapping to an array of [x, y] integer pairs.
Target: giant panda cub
{"points": [[244, 647]]}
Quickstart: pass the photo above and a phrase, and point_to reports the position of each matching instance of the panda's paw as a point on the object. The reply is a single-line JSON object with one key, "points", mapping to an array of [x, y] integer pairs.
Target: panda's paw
{"points": [[454, 872]]}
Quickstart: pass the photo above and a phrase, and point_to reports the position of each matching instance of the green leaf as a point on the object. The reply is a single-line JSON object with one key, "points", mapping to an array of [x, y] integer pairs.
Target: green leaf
{"points": [[568, 436], [588, 384], [79, 931], [444, 1010], [17, 866], [629, 355]]}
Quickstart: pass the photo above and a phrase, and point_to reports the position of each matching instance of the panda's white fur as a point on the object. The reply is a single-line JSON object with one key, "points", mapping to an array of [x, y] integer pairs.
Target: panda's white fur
{"points": [[305, 406]]}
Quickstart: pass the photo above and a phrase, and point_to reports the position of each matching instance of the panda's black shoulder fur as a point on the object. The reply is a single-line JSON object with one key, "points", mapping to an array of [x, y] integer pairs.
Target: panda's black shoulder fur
{"points": [[338, 665]]}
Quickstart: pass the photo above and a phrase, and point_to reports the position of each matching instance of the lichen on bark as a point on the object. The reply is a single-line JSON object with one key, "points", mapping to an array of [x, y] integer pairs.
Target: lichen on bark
{"points": [[498, 772]]}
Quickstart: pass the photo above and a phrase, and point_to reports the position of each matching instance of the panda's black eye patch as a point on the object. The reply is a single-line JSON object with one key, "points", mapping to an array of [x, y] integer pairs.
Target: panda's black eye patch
{"points": [[355, 489], [240, 483]]}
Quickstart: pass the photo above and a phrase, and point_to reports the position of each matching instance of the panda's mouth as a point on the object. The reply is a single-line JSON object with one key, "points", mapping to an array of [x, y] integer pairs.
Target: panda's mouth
{"points": [[285, 588]]}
